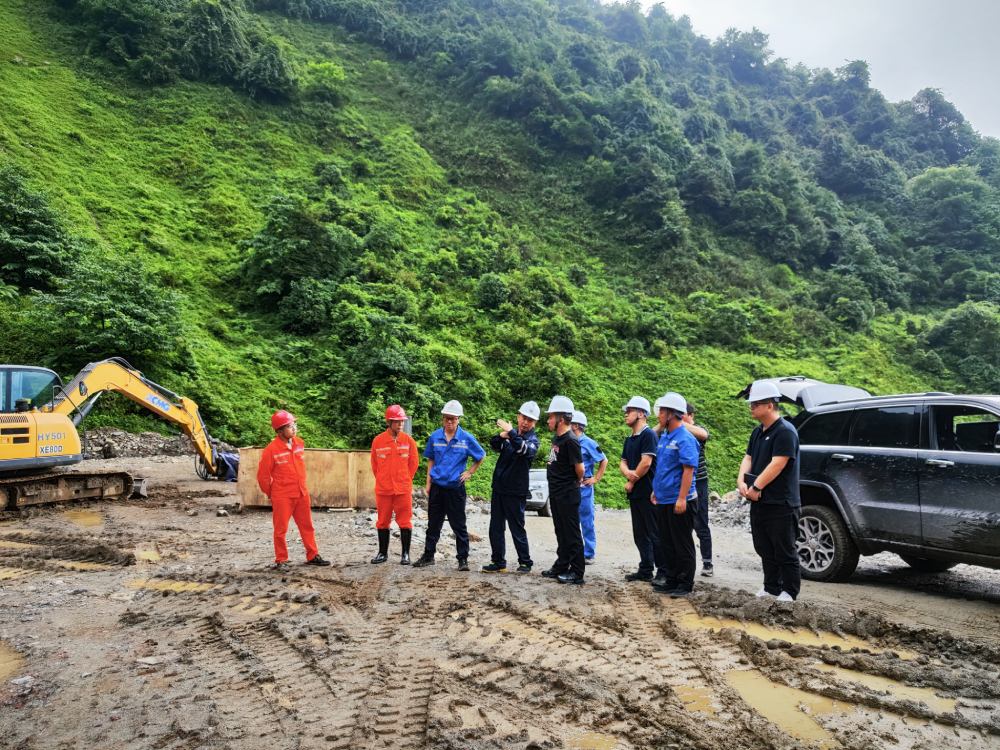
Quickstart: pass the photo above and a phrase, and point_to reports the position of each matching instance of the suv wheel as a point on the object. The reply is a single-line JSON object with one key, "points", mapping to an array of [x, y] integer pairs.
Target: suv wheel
{"points": [[545, 510], [927, 566], [826, 550]]}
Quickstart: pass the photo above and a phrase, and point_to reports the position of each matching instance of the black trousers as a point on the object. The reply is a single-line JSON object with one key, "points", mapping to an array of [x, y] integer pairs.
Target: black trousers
{"points": [[569, 541], [677, 540], [508, 511], [447, 502], [774, 528], [701, 521], [646, 534]]}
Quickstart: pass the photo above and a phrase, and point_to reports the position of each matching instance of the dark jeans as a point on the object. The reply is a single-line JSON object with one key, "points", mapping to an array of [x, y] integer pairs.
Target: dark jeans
{"points": [[701, 521], [508, 510], [774, 528], [677, 540], [569, 540], [450, 502], [645, 532]]}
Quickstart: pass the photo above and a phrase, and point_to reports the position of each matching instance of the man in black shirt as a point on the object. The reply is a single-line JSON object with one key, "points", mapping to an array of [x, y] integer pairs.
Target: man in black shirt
{"points": [[564, 473], [637, 465], [769, 478]]}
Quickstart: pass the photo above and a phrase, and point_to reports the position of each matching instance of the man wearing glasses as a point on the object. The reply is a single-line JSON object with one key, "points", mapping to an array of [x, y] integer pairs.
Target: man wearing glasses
{"points": [[769, 479], [448, 450]]}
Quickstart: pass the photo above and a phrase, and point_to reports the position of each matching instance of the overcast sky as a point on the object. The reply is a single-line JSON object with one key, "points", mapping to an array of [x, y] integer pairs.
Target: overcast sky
{"points": [[952, 45]]}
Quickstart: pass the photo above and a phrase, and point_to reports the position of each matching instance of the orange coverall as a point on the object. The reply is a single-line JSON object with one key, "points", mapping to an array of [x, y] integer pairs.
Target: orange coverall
{"points": [[282, 477], [394, 462]]}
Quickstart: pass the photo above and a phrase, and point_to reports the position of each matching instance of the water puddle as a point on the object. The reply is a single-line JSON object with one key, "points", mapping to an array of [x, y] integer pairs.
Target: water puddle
{"points": [[9, 574], [167, 584], [85, 518], [18, 545], [696, 699], [593, 741], [147, 555], [893, 687], [79, 565], [788, 708], [10, 662], [695, 621]]}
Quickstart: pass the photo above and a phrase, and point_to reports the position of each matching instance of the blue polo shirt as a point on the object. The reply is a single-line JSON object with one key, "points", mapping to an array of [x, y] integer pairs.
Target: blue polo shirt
{"points": [[674, 451], [592, 454], [450, 456]]}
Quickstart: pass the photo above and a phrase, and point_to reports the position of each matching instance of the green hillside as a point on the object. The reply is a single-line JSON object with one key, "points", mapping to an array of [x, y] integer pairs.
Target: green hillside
{"points": [[330, 205]]}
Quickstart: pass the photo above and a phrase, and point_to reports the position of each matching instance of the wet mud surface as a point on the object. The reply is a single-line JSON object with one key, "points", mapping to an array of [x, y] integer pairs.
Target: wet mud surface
{"points": [[139, 626]]}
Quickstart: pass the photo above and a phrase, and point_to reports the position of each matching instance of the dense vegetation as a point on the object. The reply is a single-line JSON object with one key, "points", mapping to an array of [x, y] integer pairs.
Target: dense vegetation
{"points": [[333, 204]]}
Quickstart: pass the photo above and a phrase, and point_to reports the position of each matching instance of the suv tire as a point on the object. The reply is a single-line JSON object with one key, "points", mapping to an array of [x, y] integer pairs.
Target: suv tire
{"points": [[546, 510], [826, 550], [927, 566]]}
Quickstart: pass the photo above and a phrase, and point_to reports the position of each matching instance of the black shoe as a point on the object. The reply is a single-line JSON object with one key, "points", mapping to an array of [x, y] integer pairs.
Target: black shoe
{"points": [[425, 560], [381, 557], [680, 594], [551, 573], [707, 570], [522, 568], [665, 588], [639, 577], [570, 577], [494, 568], [463, 563], [318, 561], [404, 538], [588, 561], [383, 547], [659, 579], [283, 565]]}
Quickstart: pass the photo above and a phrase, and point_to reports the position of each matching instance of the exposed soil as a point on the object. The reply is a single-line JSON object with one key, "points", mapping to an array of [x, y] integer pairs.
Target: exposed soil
{"points": [[142, 625]]}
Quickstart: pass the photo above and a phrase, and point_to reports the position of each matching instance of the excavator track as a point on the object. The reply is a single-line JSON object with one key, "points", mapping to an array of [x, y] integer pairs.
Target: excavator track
{"points": [[62, 487]]}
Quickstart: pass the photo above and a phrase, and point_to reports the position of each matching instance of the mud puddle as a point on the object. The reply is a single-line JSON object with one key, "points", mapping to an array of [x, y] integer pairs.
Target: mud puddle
{"points": [[894, 688], [10, 662], [85, 518]]}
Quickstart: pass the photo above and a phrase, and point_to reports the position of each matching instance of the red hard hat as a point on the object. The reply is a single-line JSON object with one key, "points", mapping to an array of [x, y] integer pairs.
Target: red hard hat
{"points": [[281, 419], [395, 412]]}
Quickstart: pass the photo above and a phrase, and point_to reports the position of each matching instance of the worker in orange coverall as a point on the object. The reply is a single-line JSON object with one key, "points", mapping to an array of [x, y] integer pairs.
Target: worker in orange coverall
{"points": [[394, 462], [282, 477]]}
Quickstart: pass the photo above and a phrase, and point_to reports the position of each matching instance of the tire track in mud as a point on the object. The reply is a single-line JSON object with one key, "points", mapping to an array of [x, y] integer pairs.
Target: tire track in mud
{"points": [[57, 553]]}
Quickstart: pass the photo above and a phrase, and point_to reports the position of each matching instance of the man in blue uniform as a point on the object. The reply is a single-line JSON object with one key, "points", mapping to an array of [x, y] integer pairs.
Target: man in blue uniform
{"points": [[592, 456], [448, 451], [517, 449], [675, 496]]}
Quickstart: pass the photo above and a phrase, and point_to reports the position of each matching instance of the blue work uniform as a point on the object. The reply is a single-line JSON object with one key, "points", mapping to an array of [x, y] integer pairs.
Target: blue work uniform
{"points": [[592, 456], [447, 496], [674, 451]]}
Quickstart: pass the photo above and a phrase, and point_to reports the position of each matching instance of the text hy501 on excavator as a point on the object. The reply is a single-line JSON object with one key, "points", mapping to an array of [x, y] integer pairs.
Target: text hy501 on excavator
{"points": [[39, 440]]}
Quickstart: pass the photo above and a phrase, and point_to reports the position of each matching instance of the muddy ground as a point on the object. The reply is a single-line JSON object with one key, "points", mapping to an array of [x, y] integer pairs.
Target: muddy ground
{"points": [[157, 624]]}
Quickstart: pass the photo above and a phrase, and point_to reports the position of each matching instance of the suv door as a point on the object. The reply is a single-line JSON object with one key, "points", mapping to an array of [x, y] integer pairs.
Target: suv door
{"points": [[877, 475], [960, 480]]}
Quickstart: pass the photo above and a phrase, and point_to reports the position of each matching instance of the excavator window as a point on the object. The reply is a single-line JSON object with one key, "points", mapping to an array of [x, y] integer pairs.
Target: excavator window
{"points": [[36, 384]]}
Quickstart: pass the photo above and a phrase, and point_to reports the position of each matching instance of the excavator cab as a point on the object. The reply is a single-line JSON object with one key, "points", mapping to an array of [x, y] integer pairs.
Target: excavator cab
{"points": [[23, 388]]}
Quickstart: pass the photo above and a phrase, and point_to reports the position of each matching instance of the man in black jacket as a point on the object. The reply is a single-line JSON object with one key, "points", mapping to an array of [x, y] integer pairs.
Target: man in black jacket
{"points": [[517, 449]]}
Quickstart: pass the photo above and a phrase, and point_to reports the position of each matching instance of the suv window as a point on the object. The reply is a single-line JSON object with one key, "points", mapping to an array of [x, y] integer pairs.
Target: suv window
{"points": [[965, 428], [825, 429], [887, 427]]}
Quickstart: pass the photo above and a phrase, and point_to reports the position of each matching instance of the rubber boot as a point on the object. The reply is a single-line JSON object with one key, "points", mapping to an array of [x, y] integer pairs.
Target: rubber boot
{"points": [[404, 538], [383, 547]]}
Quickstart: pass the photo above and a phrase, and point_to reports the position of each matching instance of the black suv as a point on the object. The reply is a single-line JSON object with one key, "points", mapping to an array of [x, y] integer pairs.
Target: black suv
{"points": [[917, 474]]}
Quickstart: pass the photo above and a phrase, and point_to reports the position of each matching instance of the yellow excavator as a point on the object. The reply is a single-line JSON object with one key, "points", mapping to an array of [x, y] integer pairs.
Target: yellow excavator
{"points": [[38, 436]]}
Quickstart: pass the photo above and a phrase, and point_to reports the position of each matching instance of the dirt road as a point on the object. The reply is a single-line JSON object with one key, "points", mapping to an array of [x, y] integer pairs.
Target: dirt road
{"points": [[140, 626]]}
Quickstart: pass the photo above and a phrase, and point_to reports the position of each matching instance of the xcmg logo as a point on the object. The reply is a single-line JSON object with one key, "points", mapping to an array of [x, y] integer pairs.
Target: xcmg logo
{"points": [[158, 402]]}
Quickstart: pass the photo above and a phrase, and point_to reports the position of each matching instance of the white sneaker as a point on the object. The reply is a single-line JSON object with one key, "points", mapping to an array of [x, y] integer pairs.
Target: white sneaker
{"points": [[784, 596], [764, 592]]}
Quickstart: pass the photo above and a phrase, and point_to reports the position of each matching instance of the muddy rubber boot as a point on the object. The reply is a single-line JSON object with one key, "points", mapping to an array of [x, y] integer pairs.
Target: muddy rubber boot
{"points": [[383, 547], [404, 538]]}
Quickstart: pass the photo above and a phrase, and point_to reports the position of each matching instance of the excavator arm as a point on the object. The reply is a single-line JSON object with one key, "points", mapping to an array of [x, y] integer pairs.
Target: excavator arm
{"points": [[78, 397]]}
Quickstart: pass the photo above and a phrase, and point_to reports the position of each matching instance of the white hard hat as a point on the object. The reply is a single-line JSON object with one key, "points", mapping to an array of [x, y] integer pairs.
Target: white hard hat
{"points": [[763, 389], [453, 409], [637, 402], [579, 418], [530, 410], [673, 401], [560, 405]]}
